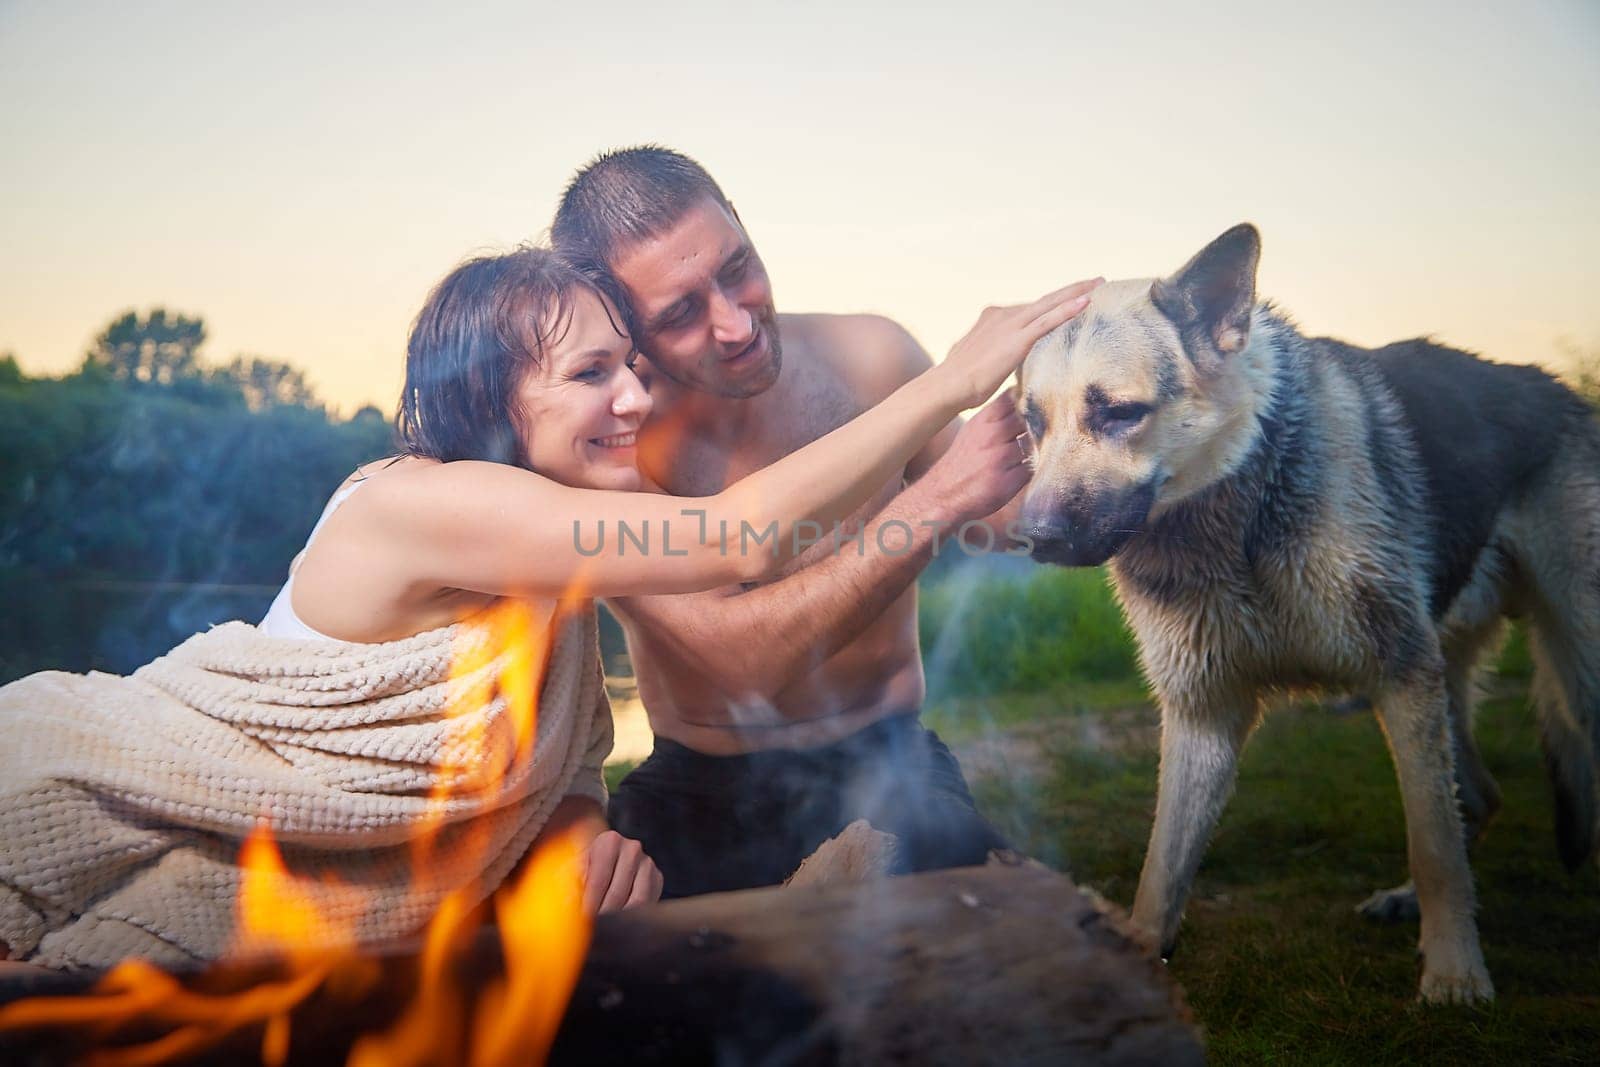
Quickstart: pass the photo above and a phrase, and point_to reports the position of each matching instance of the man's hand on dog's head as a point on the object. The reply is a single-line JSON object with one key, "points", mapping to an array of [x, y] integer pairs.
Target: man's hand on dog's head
{"points": [[985, 466]]}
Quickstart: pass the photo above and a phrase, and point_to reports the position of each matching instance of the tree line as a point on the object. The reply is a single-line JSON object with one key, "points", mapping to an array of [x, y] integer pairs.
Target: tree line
{"points": [[150, 493]]}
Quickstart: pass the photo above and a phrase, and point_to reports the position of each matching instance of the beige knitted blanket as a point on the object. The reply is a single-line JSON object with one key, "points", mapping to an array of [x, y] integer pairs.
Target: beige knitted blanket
{"points": [[124, 801]]}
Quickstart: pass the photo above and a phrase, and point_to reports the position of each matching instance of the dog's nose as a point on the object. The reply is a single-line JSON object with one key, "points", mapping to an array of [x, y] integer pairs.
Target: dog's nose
{"points": [[1050, 539], [1065, 546], [1057, 551]]}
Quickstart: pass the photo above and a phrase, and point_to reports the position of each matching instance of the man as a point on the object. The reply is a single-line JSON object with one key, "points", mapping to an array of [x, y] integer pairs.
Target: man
{"points": [[782, 712]]}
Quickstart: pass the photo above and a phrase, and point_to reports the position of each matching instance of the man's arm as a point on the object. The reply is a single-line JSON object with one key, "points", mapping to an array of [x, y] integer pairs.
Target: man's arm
{"points": [[911, 359], [914, 359], [755, 643], [1002, 524]]}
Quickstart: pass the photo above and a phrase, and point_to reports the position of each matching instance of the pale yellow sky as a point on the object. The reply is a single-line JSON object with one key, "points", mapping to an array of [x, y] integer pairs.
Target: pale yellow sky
{"points": [[300, 178]]}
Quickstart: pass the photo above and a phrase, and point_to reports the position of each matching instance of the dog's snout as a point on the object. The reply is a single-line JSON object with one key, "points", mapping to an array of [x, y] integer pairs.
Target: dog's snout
{"points": [[1077, 527], [1055, 526]]}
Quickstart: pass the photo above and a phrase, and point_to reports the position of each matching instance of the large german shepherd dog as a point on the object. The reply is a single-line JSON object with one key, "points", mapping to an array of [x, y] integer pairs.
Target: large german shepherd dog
{"points": [[1281, 511]]}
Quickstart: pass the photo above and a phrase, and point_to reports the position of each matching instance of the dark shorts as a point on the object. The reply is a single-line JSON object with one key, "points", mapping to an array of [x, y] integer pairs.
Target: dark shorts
{"points": [[713, 823]]}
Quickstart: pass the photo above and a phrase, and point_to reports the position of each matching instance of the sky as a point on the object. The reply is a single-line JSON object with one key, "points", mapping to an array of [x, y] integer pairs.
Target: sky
{"points": [[301, 174]]}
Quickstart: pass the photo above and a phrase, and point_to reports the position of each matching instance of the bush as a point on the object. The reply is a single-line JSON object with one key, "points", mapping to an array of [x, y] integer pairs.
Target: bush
{"points": [[1036, 631], [133, 515]]}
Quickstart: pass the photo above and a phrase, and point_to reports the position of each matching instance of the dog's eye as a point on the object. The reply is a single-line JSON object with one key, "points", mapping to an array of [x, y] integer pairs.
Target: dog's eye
{"points": [[1117, 419], [1033, 419]]}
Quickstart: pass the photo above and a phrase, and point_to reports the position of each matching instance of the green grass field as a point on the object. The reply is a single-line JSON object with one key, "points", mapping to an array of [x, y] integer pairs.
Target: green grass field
{"points": [[1277, 965], [1275, 962]]}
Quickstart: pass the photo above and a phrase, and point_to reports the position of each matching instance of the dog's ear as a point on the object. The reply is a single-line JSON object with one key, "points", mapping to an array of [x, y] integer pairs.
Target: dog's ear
{"points": [[1210, 298]]}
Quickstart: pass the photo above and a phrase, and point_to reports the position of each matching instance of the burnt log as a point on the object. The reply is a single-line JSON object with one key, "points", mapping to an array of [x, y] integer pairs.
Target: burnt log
{"points": [[1001, 964]]}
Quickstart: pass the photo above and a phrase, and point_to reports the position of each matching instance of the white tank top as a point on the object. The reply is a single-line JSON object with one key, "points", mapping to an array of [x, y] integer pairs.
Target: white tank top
{"points": [[280, 620]]}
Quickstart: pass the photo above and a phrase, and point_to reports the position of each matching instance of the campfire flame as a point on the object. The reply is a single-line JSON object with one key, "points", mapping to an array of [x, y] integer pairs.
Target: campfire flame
{"points": [[543, 926], [545, 934], [277, 916]]}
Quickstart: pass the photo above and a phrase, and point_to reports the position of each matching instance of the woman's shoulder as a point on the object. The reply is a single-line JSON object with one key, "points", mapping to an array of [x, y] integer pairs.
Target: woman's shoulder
{"points": [[404, 476], [388, 470], [420, 495], [369, 573], [395, 472]]}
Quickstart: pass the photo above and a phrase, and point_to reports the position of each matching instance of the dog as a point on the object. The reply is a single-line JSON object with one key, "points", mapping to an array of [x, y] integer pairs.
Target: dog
{"points": [[1281, 511]]}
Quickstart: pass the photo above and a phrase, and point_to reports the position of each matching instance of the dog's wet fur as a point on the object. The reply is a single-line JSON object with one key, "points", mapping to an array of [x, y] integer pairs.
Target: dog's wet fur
{"points": [[1280, 511]]}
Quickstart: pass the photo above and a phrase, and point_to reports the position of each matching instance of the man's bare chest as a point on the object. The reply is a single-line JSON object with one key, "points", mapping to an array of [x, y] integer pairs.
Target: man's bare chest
{"points": [[808, 410]]}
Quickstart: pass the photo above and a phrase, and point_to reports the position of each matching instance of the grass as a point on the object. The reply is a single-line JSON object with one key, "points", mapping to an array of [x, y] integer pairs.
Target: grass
{"points": [[614, 773], [965, 717], [983, 635], [1276, 964]]}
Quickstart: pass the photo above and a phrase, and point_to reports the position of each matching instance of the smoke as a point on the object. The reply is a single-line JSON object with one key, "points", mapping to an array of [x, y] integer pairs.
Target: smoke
{"points": [[1006, 763]]}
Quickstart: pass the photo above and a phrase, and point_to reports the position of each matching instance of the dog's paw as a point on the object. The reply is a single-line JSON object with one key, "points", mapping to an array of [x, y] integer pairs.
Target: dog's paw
{"points": [[1471, 986], [1392, 905]]}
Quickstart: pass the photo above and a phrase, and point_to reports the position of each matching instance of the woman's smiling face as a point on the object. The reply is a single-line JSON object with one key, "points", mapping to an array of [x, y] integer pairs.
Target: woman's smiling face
{"points": [[582, 408]]}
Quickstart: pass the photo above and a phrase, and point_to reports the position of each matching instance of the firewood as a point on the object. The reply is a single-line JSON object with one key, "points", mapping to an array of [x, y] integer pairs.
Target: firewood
{"points": [[857, 854], [1004, 964]]}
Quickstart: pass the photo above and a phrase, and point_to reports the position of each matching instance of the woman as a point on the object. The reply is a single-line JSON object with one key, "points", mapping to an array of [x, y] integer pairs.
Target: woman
{"points": [[517, 473]]}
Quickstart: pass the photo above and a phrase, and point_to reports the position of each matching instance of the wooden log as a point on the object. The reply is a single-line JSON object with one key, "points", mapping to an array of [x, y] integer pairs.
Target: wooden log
{"points": [[1000, 964], [858, 854]]}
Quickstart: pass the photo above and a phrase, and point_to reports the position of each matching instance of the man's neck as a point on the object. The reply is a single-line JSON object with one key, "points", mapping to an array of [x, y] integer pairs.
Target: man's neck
{"points": [[688, 419], [709, 417]]}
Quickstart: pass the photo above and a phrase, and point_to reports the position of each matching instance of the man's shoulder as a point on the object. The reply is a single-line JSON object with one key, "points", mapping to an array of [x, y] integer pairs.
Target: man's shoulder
{"points": [[873, 352], [827, 330]]}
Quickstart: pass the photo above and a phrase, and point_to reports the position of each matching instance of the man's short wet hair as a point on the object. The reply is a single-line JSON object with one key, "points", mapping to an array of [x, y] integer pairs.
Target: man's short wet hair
{"points": [[627, 195]]}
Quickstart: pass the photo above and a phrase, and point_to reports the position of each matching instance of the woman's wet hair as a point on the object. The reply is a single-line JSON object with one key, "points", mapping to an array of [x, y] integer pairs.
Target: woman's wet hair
{"points": [[483, 329]]}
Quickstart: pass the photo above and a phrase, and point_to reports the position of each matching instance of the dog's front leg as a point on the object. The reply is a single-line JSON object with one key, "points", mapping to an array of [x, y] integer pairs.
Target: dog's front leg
{"points": [[1413, 715], [1199, 764]]}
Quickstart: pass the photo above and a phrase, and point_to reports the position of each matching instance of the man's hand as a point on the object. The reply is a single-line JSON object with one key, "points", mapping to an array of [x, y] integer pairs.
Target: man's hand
{"points": [[985, 466], [617, 874]]}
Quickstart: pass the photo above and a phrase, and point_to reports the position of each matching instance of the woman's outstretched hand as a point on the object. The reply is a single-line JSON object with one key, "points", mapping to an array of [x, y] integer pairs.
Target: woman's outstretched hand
{"points": [[1003, 336], [617, 874]]}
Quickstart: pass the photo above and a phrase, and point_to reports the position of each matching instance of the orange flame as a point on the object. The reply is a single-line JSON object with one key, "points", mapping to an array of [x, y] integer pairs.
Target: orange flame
{"points": [[544, 932], [275, 914], [136, 991], [430, 1029], [543, 926]]}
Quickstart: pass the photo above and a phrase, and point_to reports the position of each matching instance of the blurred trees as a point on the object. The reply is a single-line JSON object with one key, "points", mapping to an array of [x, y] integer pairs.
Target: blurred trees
{"points": [[1584, 373], [149, 494], [1586, 380], [155, 350], [266, 383]]}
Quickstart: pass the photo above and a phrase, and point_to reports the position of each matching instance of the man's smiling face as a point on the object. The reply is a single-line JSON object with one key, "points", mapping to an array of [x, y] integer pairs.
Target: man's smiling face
{"points": [[703, 304]]}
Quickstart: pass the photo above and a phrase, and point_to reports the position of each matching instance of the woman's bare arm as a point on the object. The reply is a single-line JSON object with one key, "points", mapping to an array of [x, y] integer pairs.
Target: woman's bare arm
{"points": [[497, 529], [492, 528]]}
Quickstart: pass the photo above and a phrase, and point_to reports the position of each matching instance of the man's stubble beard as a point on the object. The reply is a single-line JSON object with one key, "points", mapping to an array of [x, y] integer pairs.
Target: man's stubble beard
{"points": [[737, 390]]}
